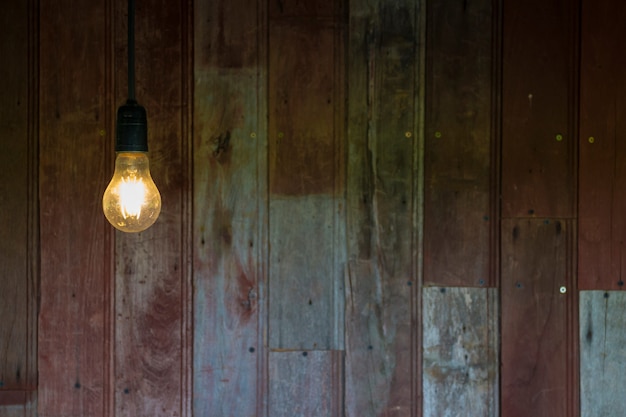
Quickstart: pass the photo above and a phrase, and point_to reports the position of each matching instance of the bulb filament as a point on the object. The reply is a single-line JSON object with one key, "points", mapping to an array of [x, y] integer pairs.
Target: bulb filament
{"points": [[132, 197]]}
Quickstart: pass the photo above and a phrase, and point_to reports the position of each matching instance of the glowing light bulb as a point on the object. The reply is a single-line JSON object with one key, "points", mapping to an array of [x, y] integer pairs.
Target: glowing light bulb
{"points": [[131, 202]]}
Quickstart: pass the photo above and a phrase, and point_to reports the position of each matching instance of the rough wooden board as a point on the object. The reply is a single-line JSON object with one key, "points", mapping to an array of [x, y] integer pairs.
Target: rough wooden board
{"points": [[229, 213], [305, 383], [18, 403], [73, 118], [602, 353], [537, 356], [150, 371], [459, 158], [304, 152], [602, 173], [305, 274], [539, 84], [18, 197], [383, 69], [460, 342], [294, 9]]}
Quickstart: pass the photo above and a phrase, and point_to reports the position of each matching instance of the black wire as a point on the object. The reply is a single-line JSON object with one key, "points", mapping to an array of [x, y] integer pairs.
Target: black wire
{"points": [[131, 50]]}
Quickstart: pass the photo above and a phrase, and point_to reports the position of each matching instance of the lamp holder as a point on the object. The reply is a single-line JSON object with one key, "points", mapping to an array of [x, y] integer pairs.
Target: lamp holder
{"points": [[132, 128]]}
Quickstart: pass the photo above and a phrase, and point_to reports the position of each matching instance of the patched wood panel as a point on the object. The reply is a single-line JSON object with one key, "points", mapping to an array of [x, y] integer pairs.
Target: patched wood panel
{"points": [[602, 353], [75, 121], [539, 324], [304, 383], [306, 179], [18, 204], [539, 92], [381, 284], [230, 196], [602, 201], [151, 266], [460, 352], [461, 143]]}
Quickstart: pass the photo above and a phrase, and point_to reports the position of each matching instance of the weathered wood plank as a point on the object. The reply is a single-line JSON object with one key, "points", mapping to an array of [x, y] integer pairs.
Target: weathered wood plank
{"points": [[306, 180], [539, 108], [602, 353], [602, 175], [74, 116], [304, 383], [460, 155], [306, 297], [18, 200], [18, 403], [536, 330], [460, 343], [230, 194], [150, 371], [381, 282]]}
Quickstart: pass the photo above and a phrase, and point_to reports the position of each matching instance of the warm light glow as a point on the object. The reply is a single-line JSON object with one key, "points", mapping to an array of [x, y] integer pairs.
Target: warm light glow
{"points": [[131, 202]]}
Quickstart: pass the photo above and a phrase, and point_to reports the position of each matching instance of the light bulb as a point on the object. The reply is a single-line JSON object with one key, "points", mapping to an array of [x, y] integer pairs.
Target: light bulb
{"points": [[131, 202]]}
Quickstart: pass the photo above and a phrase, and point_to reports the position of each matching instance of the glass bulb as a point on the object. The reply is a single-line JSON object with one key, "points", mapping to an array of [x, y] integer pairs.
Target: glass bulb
{"points": [[131, 202]]}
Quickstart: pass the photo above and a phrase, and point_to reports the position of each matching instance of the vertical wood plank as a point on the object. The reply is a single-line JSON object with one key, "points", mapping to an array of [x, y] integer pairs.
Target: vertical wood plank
{"points": [[602, 353], [296, 377], [460, 342], [539, 93], [381, 321], [150, 373], [538, 347], [18, 201], [230, 194], [460, 156], [74, 119], [602, 261], [306, 180]]}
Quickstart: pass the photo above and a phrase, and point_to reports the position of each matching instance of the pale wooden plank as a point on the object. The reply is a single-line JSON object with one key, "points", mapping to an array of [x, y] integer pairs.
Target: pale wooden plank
{"points": [[602, 353], [304, 384], [460, 352], [306, 274], [230, 241], [149, 272]]}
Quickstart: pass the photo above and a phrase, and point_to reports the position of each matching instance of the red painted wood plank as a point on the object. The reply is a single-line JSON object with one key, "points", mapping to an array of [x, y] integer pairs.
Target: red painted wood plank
{"points": [[382, 365], [151, 267], [460, 156], [538, 321], [602, 174], [74, 119], [230, 194], [539, 106], [303, 147], [18, 201]]}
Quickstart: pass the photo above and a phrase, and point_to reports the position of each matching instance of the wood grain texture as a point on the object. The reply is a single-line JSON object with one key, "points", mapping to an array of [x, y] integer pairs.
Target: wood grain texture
{"points": [[602, 353], [304, 146], [74, 114], [539, 96], [18, 403], [230, 194], [306, 286], [304, 383], [460, 342], [460, 159], [602, 174], [18, 203], [381, 283], [150, 370], [538, 339]]}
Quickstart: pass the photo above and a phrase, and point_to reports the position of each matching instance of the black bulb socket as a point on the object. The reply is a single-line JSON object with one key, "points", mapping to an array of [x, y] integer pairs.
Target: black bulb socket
{"points": [[132, 128]]}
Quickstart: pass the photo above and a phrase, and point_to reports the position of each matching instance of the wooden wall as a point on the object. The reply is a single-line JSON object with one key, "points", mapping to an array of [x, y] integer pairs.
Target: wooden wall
{"points": [[370, 208]]}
